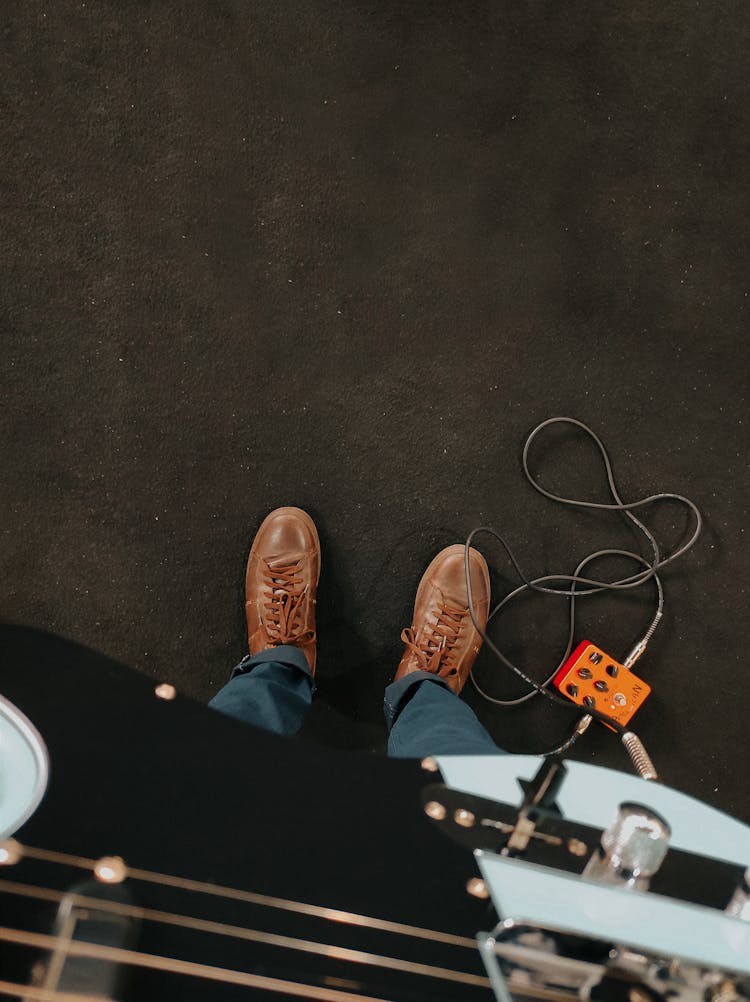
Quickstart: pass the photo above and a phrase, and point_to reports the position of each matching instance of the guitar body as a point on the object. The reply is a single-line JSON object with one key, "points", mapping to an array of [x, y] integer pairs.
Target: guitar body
{"points": [[178, 854], [179, 790]]}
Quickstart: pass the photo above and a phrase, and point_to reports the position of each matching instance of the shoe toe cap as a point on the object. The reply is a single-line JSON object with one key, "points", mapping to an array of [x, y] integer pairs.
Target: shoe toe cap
{"points": [[286, 532], [449, 576]]}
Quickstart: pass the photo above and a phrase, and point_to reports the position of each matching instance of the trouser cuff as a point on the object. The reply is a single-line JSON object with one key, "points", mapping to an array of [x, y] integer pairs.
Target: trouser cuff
{"points": [[286, 654], [398, 694]]}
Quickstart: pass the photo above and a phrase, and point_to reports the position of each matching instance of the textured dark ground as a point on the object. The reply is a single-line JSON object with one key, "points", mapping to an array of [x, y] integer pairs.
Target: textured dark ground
{"points": [[346, 256]]}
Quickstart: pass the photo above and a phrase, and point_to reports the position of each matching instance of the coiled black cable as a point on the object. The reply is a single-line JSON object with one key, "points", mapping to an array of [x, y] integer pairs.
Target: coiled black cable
{"points": [[574, 592]]}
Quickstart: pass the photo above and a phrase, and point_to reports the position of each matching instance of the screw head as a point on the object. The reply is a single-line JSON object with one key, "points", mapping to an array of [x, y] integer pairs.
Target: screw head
{"points": [[464, 818], [429, 764], [165, 691], [477, 888], [577, 847], [435, 810]]}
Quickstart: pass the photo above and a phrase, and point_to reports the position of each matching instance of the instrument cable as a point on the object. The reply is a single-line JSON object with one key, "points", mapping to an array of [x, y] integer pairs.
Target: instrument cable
{"points": [[572, 593]]}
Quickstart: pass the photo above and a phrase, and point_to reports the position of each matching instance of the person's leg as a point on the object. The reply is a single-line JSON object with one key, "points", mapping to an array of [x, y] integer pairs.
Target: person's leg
{"points": [[422, 709], [425, 717], [272, 687], [272, 690]]}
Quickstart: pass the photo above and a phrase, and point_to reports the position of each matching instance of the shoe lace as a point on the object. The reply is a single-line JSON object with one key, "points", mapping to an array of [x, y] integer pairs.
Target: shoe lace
{"points": [[284, 597], [435, 645]]}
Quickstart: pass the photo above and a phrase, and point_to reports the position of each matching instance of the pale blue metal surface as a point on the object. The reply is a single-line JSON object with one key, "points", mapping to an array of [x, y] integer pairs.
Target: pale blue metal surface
{"points": [[540, 896], [24, 768], [529, 894], [591, 795]]}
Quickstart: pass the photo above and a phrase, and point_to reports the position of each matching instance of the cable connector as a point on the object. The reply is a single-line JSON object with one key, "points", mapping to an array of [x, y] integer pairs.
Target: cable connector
{"points": [[583, 725], [642, 644], [636, 652], [639, 756]]}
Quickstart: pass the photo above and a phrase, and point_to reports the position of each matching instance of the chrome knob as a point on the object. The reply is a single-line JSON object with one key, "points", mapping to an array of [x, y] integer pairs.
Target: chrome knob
{"points": [[632, 848], [739, 906]]}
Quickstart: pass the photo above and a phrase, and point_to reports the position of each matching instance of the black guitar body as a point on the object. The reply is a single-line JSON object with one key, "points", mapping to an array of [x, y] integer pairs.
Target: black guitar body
{"points": [[179, 790]]}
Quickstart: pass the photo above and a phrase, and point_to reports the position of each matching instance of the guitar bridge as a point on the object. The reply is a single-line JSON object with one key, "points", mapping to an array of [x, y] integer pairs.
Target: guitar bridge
{"points": [[607, 915]]}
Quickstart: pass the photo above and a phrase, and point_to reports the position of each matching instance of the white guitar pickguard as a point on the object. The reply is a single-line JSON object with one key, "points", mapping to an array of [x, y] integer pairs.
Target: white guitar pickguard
{"points": [[24, 768]]}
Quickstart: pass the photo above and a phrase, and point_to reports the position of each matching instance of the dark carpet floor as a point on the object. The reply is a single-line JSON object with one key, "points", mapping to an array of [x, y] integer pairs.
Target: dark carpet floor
{"points": [[346, 256]]}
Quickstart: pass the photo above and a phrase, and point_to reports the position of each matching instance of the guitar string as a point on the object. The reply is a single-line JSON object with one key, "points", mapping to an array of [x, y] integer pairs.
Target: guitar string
{"points": [[28, 993], [188, 968], [252, 897], [32, 994], [343, 954]]}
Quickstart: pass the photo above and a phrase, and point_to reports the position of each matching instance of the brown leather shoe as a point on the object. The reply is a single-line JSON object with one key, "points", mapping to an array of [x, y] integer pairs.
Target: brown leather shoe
{"points": [[281, 583], [442, 638]]}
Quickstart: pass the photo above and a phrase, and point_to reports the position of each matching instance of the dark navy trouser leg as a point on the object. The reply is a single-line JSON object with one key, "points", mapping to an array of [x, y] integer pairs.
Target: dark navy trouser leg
{"points": [[425, 717], [272, 690]]}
